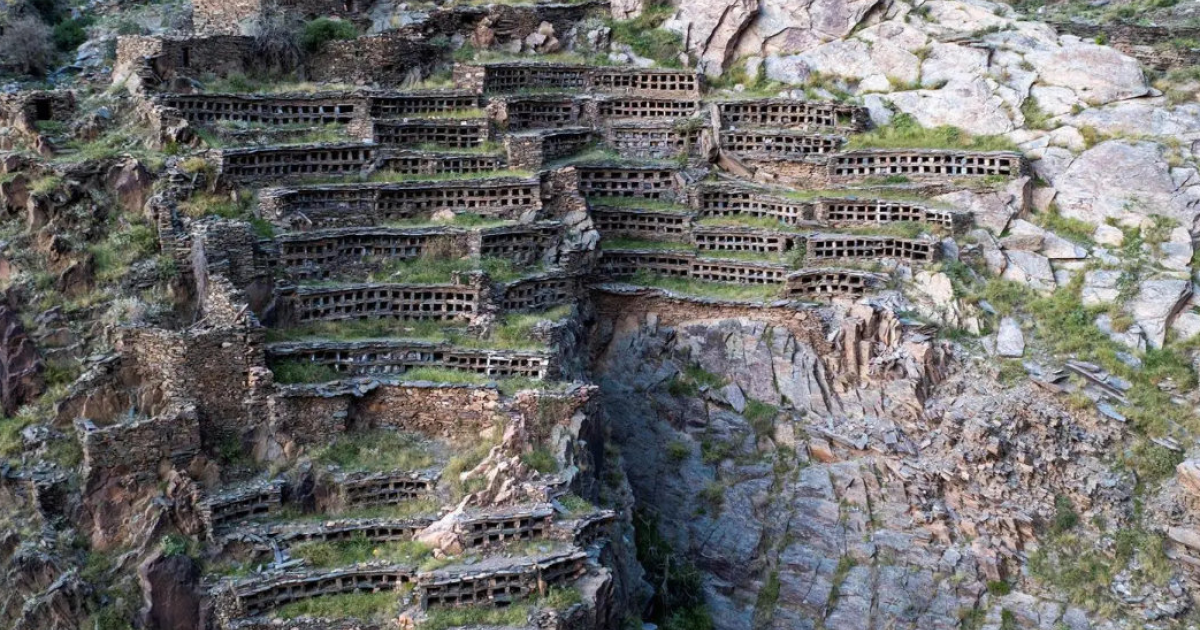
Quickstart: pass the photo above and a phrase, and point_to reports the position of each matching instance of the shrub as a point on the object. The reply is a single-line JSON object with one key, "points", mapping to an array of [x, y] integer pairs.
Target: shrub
{"points": [[275, 37], [761, 417], [27, 45], [321, 31], [678, 451], [1065, 517], [70, 34], [174, 545]]}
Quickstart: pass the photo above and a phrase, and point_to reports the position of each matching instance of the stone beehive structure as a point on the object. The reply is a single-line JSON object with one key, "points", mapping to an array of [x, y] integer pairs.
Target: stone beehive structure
{"points": [[428, 274]]}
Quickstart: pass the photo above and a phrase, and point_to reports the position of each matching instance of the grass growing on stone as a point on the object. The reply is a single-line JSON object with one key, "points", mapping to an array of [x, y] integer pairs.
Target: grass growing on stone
{"points": [[905, 132], [899, 229], [764, 223], [483, 615], [701, 288], [638, 203], [386, 176], [434, 269], [292, 372], [376, 450], [373, 606], [644, 35], [461, 220], [452, 114], [359, 548], [432, 330], [556, 598], [576, 505], [514, 331], [541, 460], [1065, 327], [633, 243], [1066, 227], [463, 462]]}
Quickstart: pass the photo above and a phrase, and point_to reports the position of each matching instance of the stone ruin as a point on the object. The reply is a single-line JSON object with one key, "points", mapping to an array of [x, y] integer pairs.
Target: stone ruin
{"points": [[552, 195]]}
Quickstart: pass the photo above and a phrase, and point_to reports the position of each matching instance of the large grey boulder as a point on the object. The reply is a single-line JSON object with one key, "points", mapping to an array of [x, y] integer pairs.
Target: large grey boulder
{"points": [[1153, 117], [1029, 268], [1156, 304], [710, 30], [1125, 181], [1010, 341], [1097, 74], [1100, 287], [784, 27], [969, 103]]}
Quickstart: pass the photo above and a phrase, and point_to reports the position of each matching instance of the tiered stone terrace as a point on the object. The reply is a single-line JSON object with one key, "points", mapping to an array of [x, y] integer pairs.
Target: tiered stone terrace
{"points": [[422, 192]]}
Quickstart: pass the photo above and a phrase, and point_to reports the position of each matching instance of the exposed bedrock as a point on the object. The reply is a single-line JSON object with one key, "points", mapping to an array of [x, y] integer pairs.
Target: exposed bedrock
{"points": [[833, 470]]}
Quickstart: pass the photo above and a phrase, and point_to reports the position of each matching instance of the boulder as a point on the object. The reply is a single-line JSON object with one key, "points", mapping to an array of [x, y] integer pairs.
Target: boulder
{"points": [[1188, 474], [970, 104], [785, 27], [1100, 286], [1142, 118], [1176, 252], [1132, 337], [1010, 341], [1023, 235], [875, 66], [626, 9], [1108, 235], [1156, 305], [1097, 74], [991, 209], [1056, 247], [711, 30], [1124, 181], [131, 184], [1030, 268]]}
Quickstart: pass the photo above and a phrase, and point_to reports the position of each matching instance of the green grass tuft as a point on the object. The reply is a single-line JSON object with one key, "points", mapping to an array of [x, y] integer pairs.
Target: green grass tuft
{"points": [[905, 132], [380, 449]]}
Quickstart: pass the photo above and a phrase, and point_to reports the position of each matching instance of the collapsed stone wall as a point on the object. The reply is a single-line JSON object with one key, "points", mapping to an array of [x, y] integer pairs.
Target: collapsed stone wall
{"points": [[532, 150], [149, 61], [211, 368], [138, 446], [22, 111], [301, 415]]}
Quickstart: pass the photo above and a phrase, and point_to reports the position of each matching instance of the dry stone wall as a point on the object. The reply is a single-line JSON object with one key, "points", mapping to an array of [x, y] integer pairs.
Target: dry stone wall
{"points": [[395, 357], [343, 205]]}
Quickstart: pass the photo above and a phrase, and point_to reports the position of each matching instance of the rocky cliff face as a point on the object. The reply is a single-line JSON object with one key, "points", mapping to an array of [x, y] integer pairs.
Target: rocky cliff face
{"points": [[857, 476]]}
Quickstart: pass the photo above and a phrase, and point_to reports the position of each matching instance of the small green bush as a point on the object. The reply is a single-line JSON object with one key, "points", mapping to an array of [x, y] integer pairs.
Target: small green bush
{"points": [[541, 460], [999, 588], [761, 417], [1065, 518], [70, 34], [678, 451], [321, 31]]}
